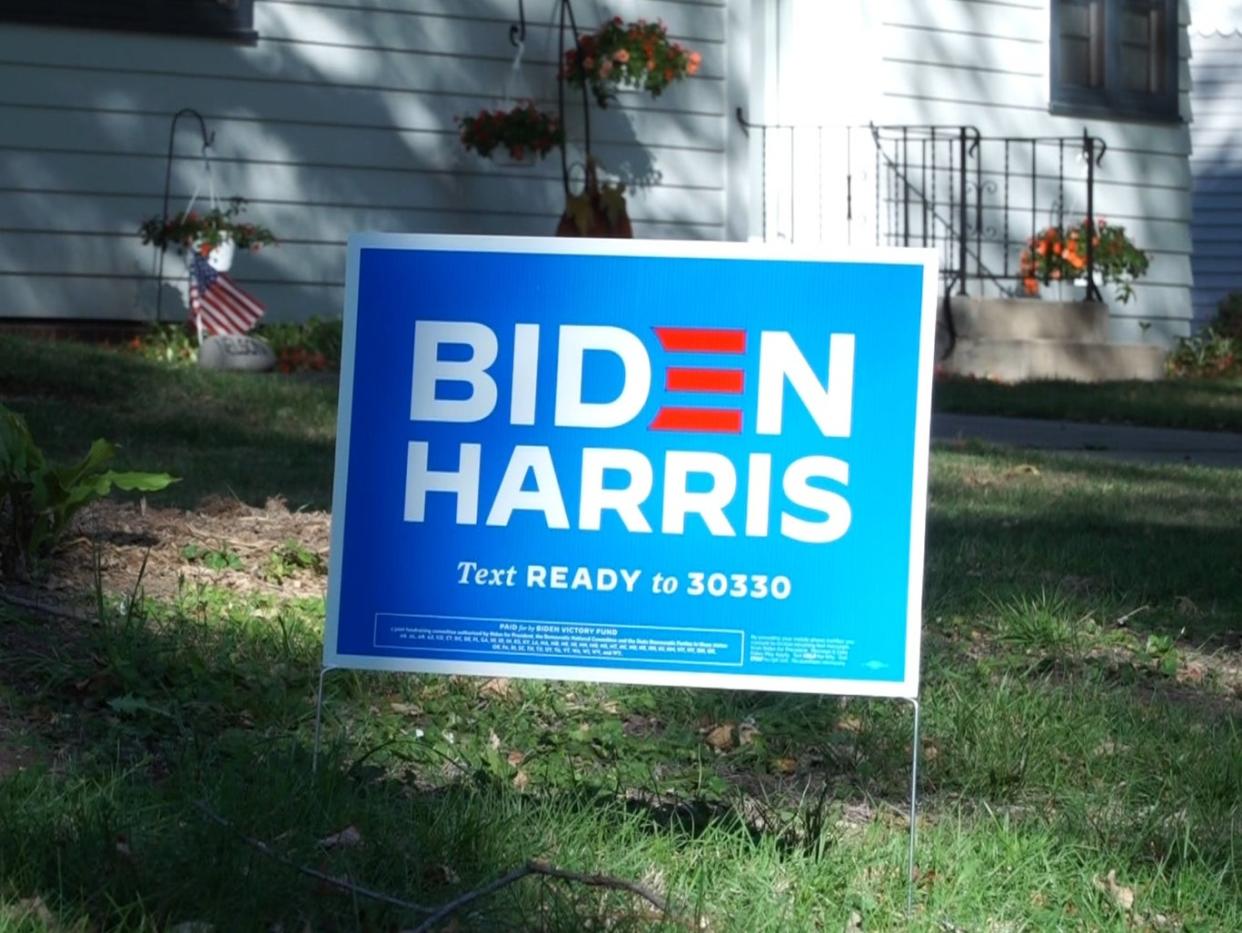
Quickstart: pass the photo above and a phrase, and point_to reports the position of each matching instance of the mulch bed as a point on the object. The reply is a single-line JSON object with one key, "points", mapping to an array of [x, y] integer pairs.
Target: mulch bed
{"points": [[135, 542]]}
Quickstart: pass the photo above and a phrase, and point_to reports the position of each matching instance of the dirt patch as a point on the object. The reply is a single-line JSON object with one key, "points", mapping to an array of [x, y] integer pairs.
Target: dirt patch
{"points": [[226, 543]]}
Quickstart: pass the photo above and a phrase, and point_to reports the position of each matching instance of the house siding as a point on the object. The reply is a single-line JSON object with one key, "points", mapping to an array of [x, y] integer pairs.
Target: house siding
{"points": [[1216, 161], [985, 63], [339, 119]]}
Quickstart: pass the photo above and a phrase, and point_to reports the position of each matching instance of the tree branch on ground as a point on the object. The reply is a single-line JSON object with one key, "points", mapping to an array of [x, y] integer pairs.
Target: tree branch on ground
{"points": [[540, 867], [335, 882], [437, 914]]}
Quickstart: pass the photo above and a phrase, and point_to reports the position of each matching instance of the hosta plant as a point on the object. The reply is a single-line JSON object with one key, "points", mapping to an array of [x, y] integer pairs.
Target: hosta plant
{"points": [[39, 500]]}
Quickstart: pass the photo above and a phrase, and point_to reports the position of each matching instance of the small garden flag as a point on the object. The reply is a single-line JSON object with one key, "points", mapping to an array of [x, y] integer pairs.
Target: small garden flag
{"points": [[217, 305]]}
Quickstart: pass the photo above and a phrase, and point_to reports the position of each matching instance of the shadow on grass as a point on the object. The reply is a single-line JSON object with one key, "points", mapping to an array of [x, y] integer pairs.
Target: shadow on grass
{"points": [[213, 701], [1206, 404], [251, 435]]}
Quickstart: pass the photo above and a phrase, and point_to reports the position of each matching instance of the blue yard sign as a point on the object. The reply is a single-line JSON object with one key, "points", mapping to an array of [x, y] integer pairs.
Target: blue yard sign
{"points": [[701, 464]]}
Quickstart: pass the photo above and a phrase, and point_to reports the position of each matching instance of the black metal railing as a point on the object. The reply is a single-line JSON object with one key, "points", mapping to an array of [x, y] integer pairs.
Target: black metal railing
{"points": [[980, 200]]}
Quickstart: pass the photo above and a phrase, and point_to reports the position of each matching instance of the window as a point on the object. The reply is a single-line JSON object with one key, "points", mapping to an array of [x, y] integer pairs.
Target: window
{"points": [[227, 19], [1115, 57]]}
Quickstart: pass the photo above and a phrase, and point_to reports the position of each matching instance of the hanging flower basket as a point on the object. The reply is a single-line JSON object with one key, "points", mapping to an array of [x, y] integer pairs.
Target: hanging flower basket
{"points": [[637, 55], [599, 211], [517, 135], [205, 232]]}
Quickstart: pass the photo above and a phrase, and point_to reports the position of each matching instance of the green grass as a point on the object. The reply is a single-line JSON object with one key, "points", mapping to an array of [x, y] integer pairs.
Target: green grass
{"points": [[248, 435], [1204, 404], [1081, 718]]}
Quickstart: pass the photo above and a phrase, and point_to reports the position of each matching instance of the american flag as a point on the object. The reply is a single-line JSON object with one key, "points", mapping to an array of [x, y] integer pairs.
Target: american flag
{"points": [[217, 305]]}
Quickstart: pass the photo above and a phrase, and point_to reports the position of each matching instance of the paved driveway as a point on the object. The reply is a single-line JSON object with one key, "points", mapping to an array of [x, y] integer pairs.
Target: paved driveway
{"points": [[1121, 442]]}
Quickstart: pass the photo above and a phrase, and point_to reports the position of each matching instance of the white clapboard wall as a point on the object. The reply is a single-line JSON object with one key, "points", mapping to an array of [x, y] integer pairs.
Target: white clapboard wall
{"points": [[986, 63], [1216, 163], [339, 119]]}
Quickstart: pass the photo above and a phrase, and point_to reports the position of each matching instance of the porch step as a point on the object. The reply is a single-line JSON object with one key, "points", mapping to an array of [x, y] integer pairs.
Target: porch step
{"points": [[1028, 319], [1082, 361]]}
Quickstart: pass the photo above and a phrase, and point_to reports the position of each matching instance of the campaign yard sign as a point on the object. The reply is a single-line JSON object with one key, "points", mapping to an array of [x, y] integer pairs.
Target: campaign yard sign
{"points": [[701, 464]]}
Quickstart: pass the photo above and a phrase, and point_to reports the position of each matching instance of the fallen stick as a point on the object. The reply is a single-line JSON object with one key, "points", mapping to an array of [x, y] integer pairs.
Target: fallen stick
{"points": [[46, 609], [540, 867], [533, 867], [341, 883]]}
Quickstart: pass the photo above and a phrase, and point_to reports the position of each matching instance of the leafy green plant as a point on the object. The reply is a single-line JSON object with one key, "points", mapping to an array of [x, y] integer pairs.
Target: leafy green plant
{"points": [[166, 343], [221, 558], [1162, 649], [1209, 353], [310, 345], [1228, 322], [288, 558], [39, 500]]}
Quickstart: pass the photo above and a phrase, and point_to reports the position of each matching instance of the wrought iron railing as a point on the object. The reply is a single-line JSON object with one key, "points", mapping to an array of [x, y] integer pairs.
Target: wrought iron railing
{"points": [[980, 200]]}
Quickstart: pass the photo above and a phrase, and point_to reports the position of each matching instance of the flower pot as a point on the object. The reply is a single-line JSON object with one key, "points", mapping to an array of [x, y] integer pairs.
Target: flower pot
{"points": [[220, 258], [506, 159]]}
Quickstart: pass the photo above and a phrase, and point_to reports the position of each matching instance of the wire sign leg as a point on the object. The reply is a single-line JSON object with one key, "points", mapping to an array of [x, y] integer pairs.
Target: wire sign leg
{"points": [[323, 673], [914, 811]]}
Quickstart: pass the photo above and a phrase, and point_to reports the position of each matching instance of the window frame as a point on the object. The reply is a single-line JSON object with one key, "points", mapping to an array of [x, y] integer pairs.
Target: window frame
{"points": [[1111, 99], [225, 20]]}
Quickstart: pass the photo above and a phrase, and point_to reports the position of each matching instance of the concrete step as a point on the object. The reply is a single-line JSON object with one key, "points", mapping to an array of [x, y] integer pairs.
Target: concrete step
{"points": [[1030, 319], [1082, 361]]}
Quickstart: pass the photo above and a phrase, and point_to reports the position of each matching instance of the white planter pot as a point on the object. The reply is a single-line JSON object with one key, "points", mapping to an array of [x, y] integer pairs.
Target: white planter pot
{"points": [[504, 158], [220, 258]]}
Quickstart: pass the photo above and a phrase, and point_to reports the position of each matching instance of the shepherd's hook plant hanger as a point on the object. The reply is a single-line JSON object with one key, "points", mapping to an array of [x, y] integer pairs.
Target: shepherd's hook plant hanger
{"points": [[208, 138], [567, 15]]}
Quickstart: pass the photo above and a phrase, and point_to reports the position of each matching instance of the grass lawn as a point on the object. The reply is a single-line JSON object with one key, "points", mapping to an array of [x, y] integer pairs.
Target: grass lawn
{"points": [[1205, 404], [249, 436], [1082, 755]]}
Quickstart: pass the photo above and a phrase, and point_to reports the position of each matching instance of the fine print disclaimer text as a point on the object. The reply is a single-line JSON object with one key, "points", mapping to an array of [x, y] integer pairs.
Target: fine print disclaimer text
{"points": [[708, 583]]}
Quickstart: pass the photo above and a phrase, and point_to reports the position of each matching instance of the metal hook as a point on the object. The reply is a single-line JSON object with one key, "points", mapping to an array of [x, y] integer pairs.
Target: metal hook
{"points": [[517, 32], [1093, 144], [208, 139]]}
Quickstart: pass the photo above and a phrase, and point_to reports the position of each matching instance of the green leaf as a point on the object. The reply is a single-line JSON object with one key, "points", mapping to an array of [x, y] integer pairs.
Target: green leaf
{"points": [[100, 454], [130, 705], [140, 482]]}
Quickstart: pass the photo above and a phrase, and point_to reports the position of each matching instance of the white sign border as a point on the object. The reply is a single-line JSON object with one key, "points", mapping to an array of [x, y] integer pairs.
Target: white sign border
{"points": [[908, 688]]}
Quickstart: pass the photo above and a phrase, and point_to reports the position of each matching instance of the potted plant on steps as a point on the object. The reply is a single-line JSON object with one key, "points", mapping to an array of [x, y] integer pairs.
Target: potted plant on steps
{"points": [[1060, 254]]}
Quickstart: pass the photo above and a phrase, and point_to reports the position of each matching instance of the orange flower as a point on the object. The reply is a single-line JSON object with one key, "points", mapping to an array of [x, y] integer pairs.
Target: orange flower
{"points": [[1031, 285]]}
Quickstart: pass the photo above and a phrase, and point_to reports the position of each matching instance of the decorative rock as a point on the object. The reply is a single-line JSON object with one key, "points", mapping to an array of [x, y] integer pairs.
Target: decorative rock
{"points": [[236, 352]]}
